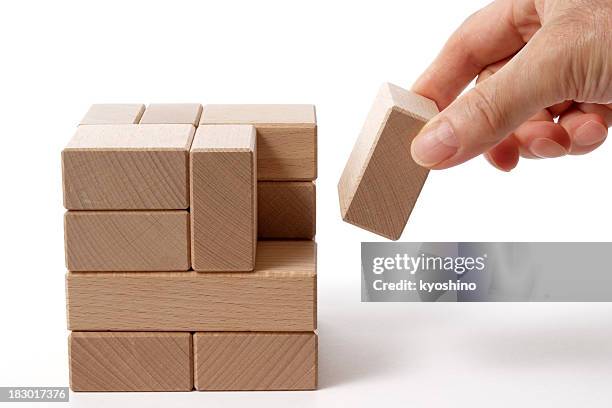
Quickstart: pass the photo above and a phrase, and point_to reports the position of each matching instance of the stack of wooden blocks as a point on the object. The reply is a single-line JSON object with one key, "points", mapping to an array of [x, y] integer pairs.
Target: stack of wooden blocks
{"points": [[190, 248]]}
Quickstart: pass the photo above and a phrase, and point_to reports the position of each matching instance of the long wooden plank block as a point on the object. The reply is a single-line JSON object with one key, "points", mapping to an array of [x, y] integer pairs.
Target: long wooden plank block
{"points": [[160, 113], [381, 183], [286, 137], [127, 167], [121, 361], [113, 114], [286, 209], [280, 295], [223, 185], [127, 240], [255, 361]]}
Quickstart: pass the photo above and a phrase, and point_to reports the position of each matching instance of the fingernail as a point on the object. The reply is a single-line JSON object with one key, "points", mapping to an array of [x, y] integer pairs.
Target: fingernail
{"points": [[547, 149], [435, 144], [590, 133]]}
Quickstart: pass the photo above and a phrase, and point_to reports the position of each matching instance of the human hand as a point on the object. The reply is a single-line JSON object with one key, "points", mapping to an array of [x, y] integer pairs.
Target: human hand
{"points": [[535, 60]]}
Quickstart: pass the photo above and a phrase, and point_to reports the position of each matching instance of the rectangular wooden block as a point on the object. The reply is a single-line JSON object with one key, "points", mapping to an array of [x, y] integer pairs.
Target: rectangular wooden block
{"points": [[113, 114], [286, 137], [160, 113], [280, 295], [381, 183], [223, 187], [121, 361], [255, 361], [127, 240], [286, 209], [127, 167]]}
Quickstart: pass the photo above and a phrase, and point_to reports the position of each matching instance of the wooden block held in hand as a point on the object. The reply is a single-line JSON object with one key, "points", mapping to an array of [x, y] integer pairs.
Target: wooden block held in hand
{"points": [[381, 183], [286, 209], [113, 114], [286, 137], [121, 361], [127, 167], [160, 113], [127, 240], [223, 187], [255, 361], [280, 295]]}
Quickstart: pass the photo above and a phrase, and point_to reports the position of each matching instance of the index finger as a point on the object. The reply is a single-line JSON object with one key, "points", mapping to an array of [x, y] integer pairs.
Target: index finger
{"points": [[492, 34]]}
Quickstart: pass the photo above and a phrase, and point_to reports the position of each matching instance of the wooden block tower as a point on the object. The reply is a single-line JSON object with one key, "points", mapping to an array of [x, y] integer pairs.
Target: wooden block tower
{"points": [[190, 248]]}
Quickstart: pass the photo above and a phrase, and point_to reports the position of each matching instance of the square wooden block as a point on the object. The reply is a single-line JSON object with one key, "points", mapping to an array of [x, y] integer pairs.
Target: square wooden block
{"points": [[113, 114], [127, 240], [255, 361], [286, 209], [127, 167], [160, 113], [122, 361], [223, 185], [286, 137], [280, 295], [381, 183]]}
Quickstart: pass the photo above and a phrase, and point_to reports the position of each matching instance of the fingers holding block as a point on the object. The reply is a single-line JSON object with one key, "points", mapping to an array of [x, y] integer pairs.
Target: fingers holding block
{"points": [[255, 361], [381, 183], [223, 183], [123, 361], [127, 167], [113, 114]]}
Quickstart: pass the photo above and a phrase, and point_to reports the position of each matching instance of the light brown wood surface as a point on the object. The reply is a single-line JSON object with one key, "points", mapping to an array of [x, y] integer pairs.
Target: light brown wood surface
{"points": [[127, 240], [159, 113], [113, 114], [286, 137], [286, 209], [223, 185], [105, 361], [127, 167], [381, 183], [280, 295], [255, 361]]}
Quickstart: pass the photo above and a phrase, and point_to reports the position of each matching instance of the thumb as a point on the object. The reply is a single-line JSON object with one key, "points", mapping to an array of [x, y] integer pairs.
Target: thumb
{"points": [[489, 112]]}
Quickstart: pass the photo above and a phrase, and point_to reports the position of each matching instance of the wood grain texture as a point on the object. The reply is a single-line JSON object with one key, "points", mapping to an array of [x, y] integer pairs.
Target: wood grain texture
{"points": [[159, 113], [113, 114], [127, 167], [286, 137], [381, 183], [105, 361], [255, 361], [280, 295], [127, 240], [286, 209], [223, 185]]}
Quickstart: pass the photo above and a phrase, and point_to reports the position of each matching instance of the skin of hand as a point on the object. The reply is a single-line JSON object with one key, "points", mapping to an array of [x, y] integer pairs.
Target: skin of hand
{"points": [[535, 61]]}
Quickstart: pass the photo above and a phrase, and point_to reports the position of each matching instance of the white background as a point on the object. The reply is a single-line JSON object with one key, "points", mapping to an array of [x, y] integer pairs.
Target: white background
{"points": [[59, 57]]}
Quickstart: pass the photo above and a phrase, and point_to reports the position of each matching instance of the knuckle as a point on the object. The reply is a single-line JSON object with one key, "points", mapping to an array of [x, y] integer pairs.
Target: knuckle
{"points": [[486, 110]]}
